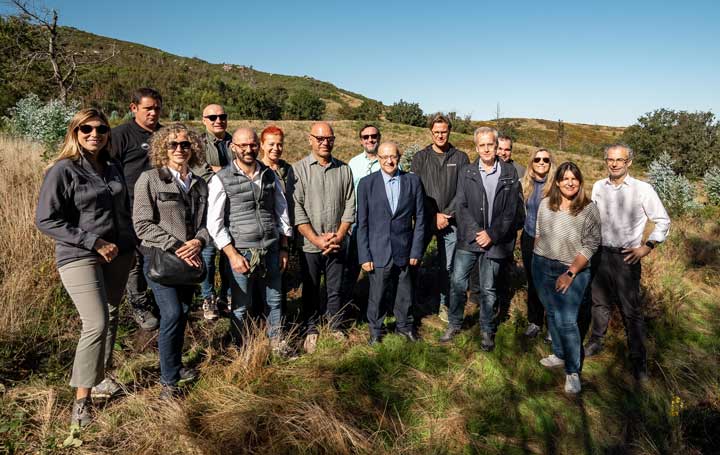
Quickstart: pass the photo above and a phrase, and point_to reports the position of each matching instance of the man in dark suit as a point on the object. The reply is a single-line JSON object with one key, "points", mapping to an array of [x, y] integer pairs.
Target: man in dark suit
{"points": [[389, 245]]}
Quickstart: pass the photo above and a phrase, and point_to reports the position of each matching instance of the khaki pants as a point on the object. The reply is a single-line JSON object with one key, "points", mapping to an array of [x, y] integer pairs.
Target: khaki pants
{"points": [[96, 289]]}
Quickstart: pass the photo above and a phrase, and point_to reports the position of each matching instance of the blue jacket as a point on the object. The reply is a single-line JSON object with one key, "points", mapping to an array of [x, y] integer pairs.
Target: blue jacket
{"points": [[382, 236], [471, 204]]}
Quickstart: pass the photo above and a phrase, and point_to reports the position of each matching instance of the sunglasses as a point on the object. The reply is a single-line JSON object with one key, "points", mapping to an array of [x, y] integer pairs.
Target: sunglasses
{"points": [[538, 159], [370, 136], [185, 145], [87, 129], [212, 118]]}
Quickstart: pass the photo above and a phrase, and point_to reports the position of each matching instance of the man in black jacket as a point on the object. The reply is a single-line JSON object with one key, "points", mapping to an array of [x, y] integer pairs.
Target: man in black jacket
{"points": [[489, 208], [130, 147], [438, 166]]}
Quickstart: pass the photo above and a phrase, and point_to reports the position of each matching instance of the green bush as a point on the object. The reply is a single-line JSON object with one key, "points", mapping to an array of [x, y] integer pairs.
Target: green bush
{"points": [[407, 113], [712, 185], [676, 191], [407, 157], [303, 105], [39, 121]]}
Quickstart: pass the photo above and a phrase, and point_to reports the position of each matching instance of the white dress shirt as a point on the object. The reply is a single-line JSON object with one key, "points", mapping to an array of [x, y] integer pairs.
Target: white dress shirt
{"points": [[216, 207], [625, 209], [184, 183]]}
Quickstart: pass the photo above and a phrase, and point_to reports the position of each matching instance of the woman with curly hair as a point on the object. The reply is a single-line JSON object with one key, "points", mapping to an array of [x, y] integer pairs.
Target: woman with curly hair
{"points": [[84, 208], [169, 213], [535, 184], [567, 236]]}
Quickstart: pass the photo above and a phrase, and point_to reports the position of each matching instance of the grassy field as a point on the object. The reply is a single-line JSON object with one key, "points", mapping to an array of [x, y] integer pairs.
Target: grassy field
{"points": [[351, 398]]}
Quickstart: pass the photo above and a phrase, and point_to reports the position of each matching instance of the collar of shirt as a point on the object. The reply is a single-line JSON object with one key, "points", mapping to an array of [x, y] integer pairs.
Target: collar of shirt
{"points": [[482, 169], [226, 137], [626, 181], [176, 175], [251, 177], [312, 160], [387, 178]]}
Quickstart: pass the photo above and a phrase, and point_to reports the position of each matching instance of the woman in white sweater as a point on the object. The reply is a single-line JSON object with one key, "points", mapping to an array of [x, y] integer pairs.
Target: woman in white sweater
{"points": [[567, 236]]}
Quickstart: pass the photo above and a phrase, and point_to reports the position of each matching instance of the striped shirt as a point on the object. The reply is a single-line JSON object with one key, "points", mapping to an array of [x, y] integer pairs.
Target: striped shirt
{"points": [[561, 236]]}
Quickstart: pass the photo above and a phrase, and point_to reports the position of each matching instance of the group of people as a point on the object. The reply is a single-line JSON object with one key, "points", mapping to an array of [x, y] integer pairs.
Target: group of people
{"points": [[118, 202]]}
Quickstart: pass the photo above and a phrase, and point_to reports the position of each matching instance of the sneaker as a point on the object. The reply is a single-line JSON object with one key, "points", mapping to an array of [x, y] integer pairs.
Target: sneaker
{"points": [[532, 331], [145, 319], [548, 338], [188, 374], [552, 361], [223, 306], [82, 412], [593, 348], [108, 388], [488, 342], [572, 383], [280, 347], [210, 309], [443, 313], [310, 344], [169, 392], [449, 334]]}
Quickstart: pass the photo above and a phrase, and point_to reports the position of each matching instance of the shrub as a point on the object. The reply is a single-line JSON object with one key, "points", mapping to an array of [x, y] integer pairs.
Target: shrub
{"points": [[712, 185], [303, 105], [43, 122], [407, 156], [407, 113], [676, 191]]}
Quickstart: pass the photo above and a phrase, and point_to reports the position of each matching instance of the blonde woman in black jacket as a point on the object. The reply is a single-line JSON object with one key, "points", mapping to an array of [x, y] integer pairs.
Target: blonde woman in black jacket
{"points": [[169, 213]]}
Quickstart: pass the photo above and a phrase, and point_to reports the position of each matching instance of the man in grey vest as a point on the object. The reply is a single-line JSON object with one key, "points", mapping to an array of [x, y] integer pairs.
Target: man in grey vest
{"points": [[248, 220], [216, 143]]}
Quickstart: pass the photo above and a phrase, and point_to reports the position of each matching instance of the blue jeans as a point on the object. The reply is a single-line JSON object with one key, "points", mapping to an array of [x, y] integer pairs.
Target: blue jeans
{"points": [[487, 275], [174, 303], [242, 291], [562, 309], [446, 241], [207, 287]]}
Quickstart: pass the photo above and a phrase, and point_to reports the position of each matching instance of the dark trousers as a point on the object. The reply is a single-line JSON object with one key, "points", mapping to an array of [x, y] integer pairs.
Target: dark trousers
{"points": [[136, 287], [174, 303], [535, 309], [617, 282], [352, 271], [381, 279], [314, 265]]}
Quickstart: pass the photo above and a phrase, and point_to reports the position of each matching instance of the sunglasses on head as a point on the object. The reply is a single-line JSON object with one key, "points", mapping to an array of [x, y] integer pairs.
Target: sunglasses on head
{"points": [[370, 136], [87, 129], [538, 159], [214, 117]]}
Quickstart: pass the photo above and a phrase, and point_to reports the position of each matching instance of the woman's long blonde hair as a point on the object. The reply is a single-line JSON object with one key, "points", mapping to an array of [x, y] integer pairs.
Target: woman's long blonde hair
{"points": [[71, 147], [528, 181]]}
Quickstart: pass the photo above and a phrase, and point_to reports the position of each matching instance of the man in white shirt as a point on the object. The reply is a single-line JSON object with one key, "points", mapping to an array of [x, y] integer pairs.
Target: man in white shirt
{"points": [[625, 205], [248, 220]]}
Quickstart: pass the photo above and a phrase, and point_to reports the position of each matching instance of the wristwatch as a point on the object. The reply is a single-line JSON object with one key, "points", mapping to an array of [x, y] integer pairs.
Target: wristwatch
{"points": [[650, 244], [570, 274]]}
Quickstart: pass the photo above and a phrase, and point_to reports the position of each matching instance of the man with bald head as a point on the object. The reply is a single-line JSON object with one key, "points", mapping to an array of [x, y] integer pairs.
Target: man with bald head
{"points": [[324, 211], [391, 228], [216, 142], [248, 220]]}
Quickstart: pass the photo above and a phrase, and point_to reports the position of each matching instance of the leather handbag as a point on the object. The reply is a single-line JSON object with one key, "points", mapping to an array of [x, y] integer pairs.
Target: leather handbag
{"points": [[165, 268]]}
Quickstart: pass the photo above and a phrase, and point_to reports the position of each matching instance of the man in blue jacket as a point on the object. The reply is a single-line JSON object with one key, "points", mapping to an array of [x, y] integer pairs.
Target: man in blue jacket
{"points": [[488, 207], [390, 245]]}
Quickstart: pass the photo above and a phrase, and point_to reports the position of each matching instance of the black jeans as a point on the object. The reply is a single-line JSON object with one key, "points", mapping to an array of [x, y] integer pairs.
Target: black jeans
{"points": [[617, 282], [351, 273], [382, 278], [535, 309], [136, 288], [313, 266]]}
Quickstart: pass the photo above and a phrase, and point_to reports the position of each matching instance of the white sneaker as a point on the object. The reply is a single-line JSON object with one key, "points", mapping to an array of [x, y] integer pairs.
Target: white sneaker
{"points": [[310, 343], [552, 361], [572, 383]]}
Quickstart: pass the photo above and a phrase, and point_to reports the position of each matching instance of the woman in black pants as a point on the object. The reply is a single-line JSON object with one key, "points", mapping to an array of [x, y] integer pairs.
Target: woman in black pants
{"points": [[169, 213], [536, 182]]}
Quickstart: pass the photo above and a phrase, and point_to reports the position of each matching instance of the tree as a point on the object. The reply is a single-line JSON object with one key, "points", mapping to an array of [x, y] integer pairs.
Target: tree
{"points": [[44, 44], [368, 110], [303, 105], [407, 113], [691, 139]]}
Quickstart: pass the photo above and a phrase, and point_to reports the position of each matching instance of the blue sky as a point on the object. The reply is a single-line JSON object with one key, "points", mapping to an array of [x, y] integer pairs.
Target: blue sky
{"points": [[604, 63]]}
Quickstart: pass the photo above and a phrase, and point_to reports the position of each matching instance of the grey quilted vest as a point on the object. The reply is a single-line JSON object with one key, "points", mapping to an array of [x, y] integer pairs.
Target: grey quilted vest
{"points": [[249, 210]]}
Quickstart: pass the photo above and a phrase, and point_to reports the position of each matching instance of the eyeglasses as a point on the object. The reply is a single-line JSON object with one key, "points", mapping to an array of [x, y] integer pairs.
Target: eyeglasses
{"points": [[369, 136], [184, 145], [87, 129], [537, 159], [616, 160], [212, 118], [321, 139], [388, 158], [250, 145]]}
